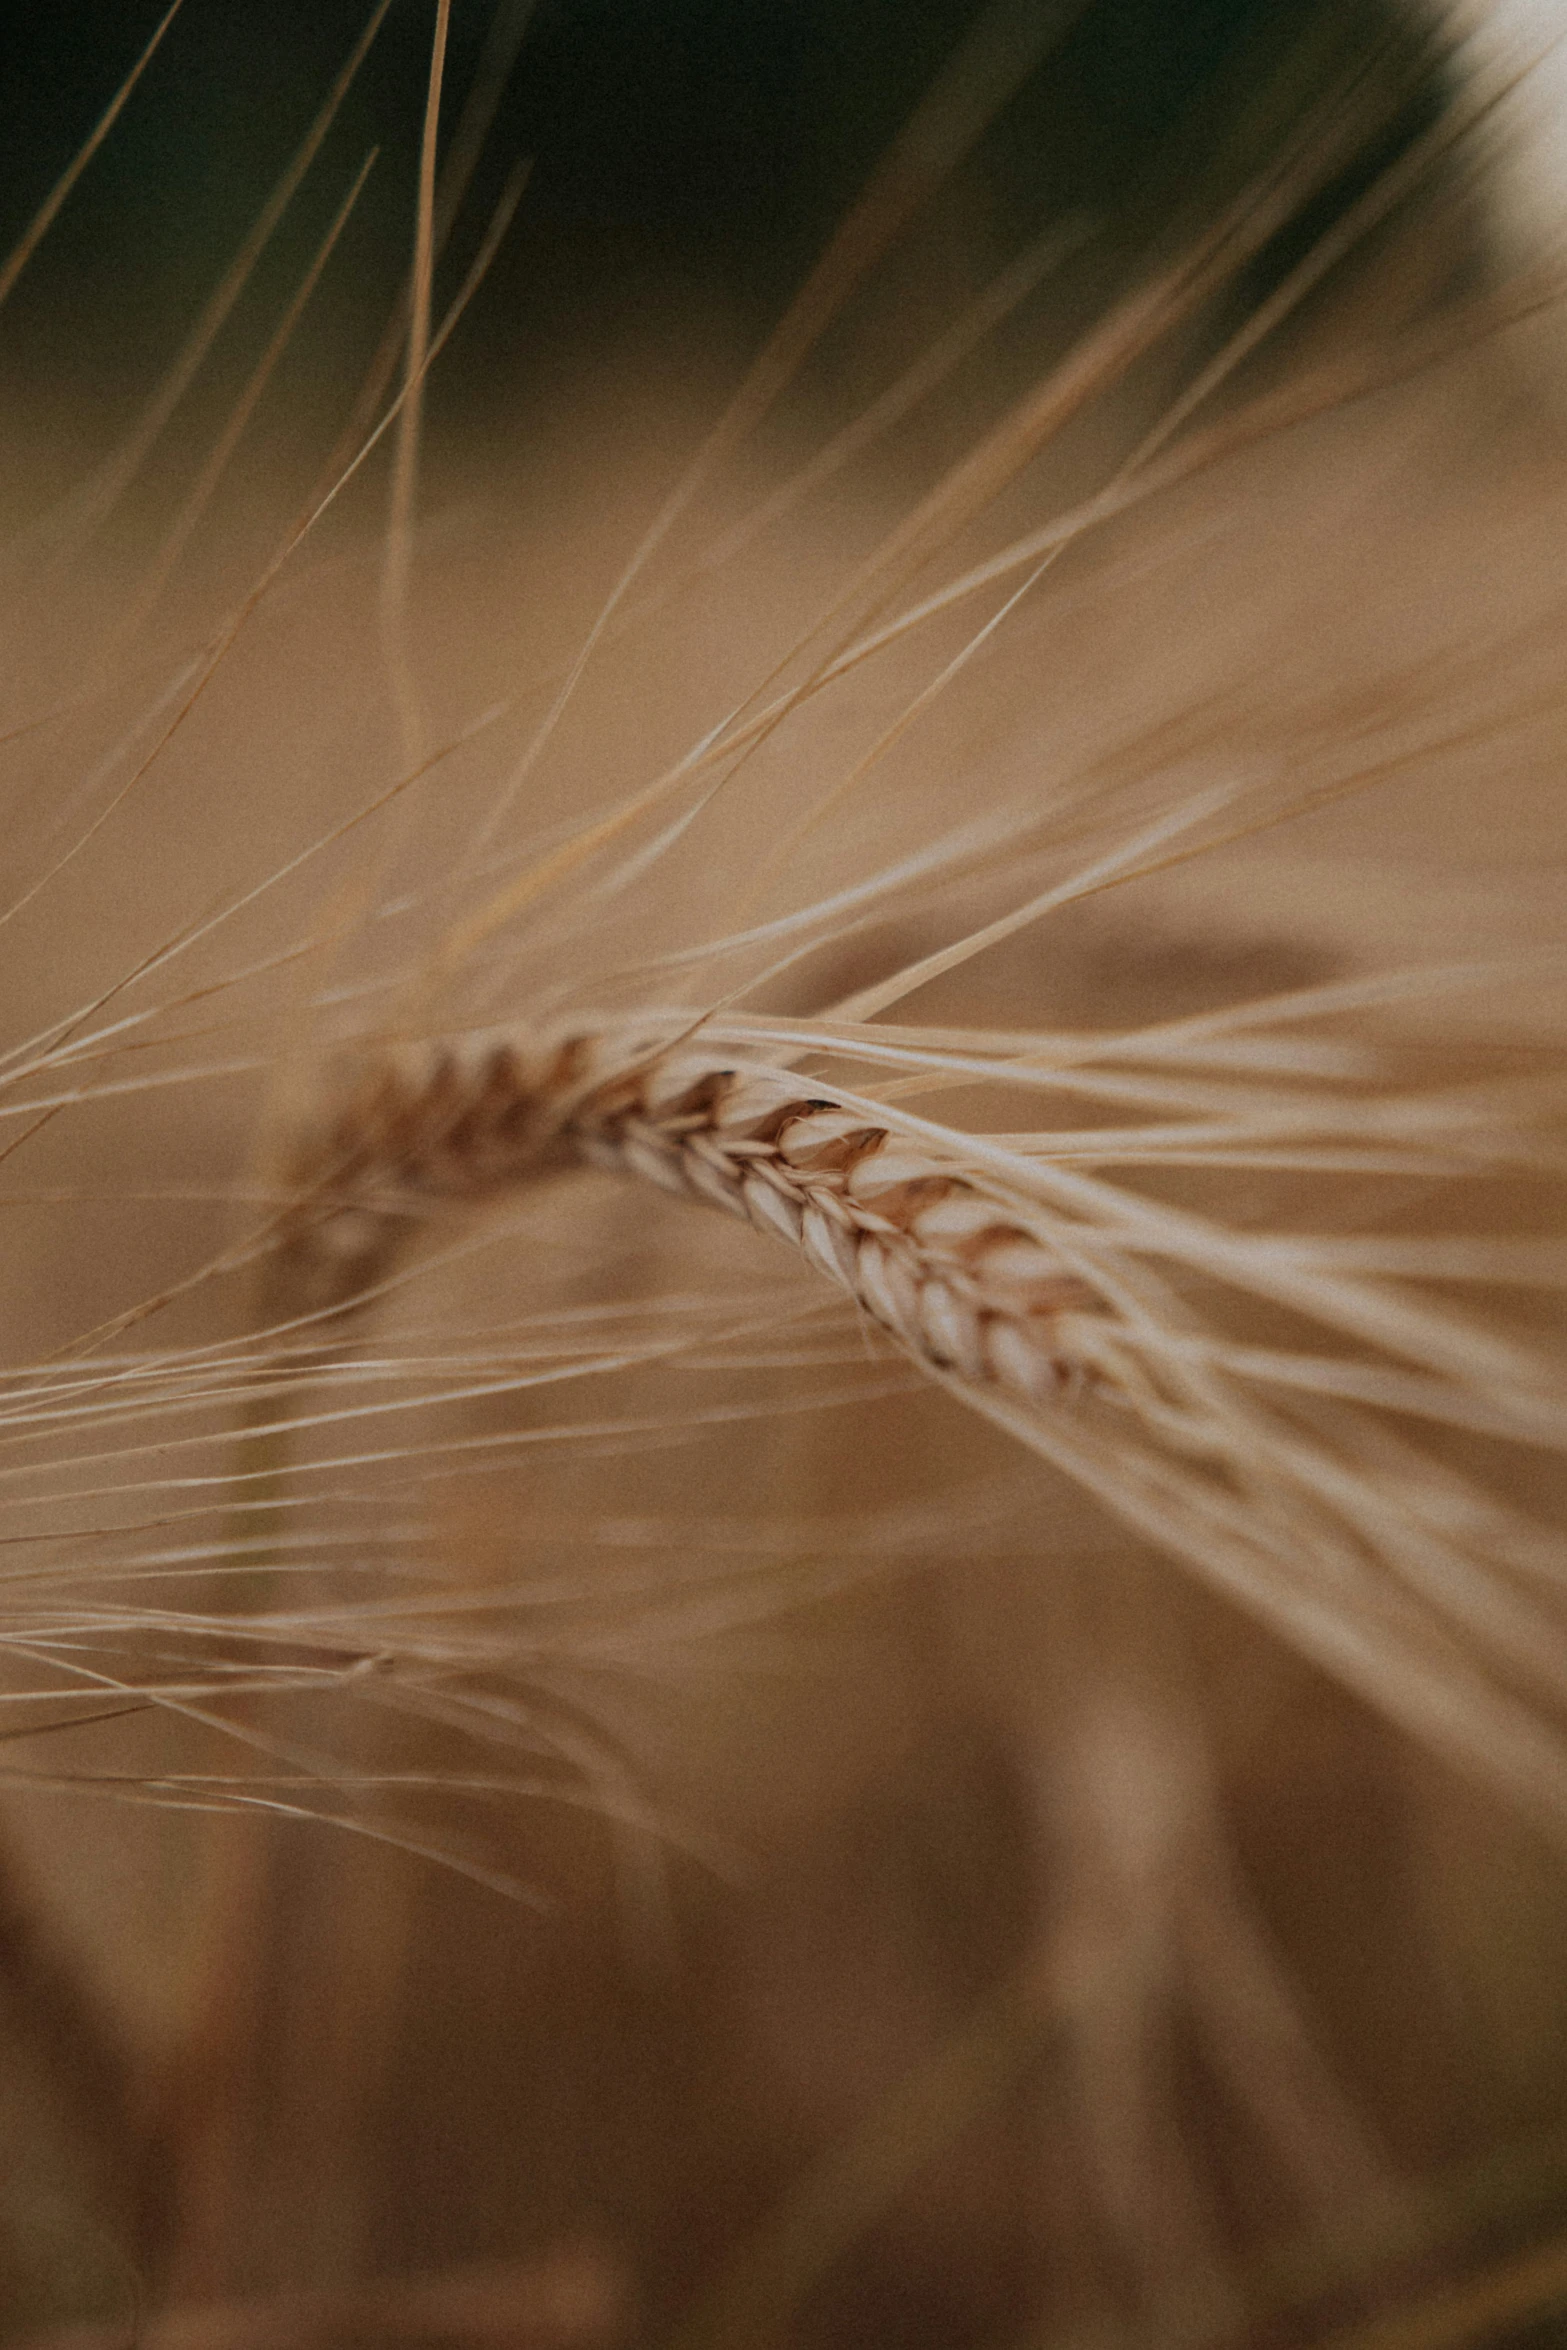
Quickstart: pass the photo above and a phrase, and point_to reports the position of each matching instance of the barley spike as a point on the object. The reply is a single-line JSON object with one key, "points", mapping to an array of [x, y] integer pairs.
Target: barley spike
{"points": [[932, 1254]]}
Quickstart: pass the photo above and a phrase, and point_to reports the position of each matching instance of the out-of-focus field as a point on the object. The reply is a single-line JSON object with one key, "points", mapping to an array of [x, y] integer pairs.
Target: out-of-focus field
{"points": [[819, 1718]]}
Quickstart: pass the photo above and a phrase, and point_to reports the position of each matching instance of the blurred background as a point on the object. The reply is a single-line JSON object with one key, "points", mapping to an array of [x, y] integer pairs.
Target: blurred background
{"points": [[965, 1932]]}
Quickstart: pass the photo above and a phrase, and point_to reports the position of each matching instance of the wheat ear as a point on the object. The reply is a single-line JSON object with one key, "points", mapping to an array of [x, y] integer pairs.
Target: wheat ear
{"points": [[931, 1253]]}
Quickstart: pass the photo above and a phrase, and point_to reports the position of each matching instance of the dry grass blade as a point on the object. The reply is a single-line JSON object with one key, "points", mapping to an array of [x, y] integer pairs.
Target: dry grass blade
{"points": [[95, 500], [43, 219]]}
